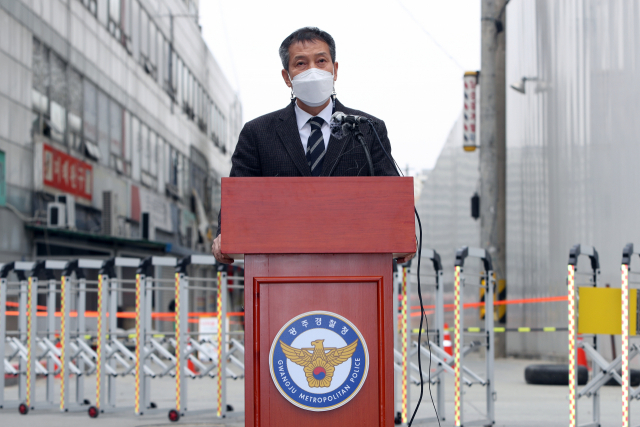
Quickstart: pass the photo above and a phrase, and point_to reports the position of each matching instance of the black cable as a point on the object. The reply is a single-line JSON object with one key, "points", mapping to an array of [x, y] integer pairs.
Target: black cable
{"points": [[423, 315], [360, 138]]}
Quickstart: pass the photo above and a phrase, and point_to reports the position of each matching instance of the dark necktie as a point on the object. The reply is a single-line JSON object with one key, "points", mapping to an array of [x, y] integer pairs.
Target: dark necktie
{"points": [[315, 146]]}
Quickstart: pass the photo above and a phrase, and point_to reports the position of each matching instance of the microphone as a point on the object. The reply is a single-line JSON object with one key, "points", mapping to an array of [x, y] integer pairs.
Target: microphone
{"points": [[341, 117]]}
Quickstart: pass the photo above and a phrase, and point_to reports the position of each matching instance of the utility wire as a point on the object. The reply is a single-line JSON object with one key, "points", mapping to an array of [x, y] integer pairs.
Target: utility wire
{"points": [[424, 30]]}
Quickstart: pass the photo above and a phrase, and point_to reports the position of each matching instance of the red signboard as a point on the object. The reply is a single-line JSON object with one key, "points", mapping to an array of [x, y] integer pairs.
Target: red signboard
{"points": [[66, 173]]}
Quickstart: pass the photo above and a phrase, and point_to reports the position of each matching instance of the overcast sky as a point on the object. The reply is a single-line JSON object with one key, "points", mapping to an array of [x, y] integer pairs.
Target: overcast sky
{"points": [[390, 64]]}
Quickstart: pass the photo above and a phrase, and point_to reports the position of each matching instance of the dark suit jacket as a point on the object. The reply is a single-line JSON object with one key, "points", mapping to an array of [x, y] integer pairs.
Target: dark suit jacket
{"points": [[270, 146]]}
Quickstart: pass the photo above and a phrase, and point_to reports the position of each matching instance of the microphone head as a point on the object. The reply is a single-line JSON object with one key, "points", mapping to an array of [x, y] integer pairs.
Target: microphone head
{"points": [[335, 125], [338, 116]]}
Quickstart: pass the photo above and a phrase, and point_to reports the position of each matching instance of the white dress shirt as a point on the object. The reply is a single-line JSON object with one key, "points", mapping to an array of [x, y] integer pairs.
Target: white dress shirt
{"points": [[302, 117]]}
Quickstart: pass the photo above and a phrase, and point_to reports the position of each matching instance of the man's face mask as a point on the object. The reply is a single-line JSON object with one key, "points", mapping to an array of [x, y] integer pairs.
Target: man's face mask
{"points": [[313, 86]]}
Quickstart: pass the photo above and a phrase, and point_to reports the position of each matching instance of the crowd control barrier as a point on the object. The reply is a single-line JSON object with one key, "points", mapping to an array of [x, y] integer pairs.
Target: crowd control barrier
{"points": [[408, 347], [149, 345], [113, 359], [76, 355], [74, 343], [207, 354], [582, 319], [628, 328], [463, 374], [32, 352], [15, 363]]}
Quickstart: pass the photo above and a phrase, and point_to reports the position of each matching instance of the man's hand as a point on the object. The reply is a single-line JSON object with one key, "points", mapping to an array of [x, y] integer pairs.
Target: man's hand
{"points": [[400, 260], [216, 250]]}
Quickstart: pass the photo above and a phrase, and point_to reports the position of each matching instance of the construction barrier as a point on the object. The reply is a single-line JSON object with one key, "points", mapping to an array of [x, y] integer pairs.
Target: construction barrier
{"points": [[205, 355], [73, 343], [409, 347], [628, 328], [74, 288], [113, 359], [590, 315]]}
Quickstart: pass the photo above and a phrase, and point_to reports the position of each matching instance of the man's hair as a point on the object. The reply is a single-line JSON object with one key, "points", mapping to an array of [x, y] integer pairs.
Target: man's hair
{"points": [[306, 34]]}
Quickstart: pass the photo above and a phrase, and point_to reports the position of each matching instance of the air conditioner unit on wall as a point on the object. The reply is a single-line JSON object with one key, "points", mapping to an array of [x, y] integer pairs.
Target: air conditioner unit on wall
{"points": [[109, 213], [56, 215], [70, 204]]}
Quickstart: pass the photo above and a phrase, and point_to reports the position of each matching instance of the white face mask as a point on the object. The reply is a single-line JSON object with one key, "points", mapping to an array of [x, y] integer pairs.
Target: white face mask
{"points": [[313, 87]]}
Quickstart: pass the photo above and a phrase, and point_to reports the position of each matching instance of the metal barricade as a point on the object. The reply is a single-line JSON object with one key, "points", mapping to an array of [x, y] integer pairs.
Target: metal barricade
{"points": [[606, 369], [207, 356], [408, 347], [150, 349], [463, 374], [114, 359], [628, 350], [76, 355], [18, 340]]}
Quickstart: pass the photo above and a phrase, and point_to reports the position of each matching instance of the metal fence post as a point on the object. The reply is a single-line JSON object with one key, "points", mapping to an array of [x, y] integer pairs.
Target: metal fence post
{"points": [[140, 339], [3, 327], [64, 337], [181, 338], [222, 352], [490, 345], [457, 347], [101, 372], [405, 335], [32, 327]]}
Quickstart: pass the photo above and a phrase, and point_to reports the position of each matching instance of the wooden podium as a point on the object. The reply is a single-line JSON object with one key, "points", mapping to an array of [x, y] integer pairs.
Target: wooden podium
{"points": [[318, 244]]}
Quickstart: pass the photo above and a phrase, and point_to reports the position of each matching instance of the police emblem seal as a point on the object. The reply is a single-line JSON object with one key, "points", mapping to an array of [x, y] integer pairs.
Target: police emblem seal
{"points": [[319, 361]]}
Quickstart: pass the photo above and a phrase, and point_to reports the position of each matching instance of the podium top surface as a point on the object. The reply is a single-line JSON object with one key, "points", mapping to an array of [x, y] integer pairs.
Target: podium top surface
{"points": [[318, 215]]}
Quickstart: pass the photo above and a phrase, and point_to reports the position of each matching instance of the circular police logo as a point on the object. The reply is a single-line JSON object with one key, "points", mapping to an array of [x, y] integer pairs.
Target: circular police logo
{"points": [[319, 361]]}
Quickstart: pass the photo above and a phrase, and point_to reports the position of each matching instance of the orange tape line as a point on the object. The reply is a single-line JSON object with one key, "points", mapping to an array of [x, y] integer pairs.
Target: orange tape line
{"points": [[505, 302], [15, 304], [132, 315]]}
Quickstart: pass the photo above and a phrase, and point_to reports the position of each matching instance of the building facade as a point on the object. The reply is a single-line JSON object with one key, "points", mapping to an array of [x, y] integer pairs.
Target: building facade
{"points": [[444, 207], [572, 158], [116, 110]]}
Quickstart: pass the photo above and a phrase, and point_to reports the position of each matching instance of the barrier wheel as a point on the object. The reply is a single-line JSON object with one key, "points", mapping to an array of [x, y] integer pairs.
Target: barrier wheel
{"points": [[398, 419], [152, 405], [229, 408], [23, 409], [553, 374], [86, 402], [174, 416], [93, 412]]}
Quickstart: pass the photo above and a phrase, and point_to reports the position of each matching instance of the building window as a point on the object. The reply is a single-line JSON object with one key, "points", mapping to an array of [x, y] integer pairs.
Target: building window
{"points": [[198, 176], [40, 87], [135, 30], [115, 135], [90, 128], [91, 5], [127, 142], [115, 16], [74, 118], [144, 36], [103, 128], [58, 92], [135, 148], [144, 148]]}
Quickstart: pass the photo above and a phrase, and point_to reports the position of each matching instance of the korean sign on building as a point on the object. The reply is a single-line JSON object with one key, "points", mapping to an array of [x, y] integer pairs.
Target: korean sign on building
{"points": [[469, 124], [66, 173]]}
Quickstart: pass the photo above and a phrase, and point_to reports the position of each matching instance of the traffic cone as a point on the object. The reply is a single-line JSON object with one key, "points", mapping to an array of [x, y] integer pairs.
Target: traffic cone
{"points": [[446, 343], [192, 367], [582, 356]]}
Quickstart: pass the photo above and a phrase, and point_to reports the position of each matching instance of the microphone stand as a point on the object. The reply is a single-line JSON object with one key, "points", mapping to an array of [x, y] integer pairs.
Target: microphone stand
{"points": [[355, 130]]}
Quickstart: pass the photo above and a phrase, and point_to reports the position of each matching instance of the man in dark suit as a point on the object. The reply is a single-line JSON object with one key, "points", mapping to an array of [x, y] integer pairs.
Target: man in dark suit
{"points": [[297, 140]]}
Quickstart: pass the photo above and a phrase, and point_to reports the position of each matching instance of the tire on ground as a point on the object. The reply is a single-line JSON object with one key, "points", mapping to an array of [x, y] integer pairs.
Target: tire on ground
{"points": [[634, 378], [553, 374]]}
